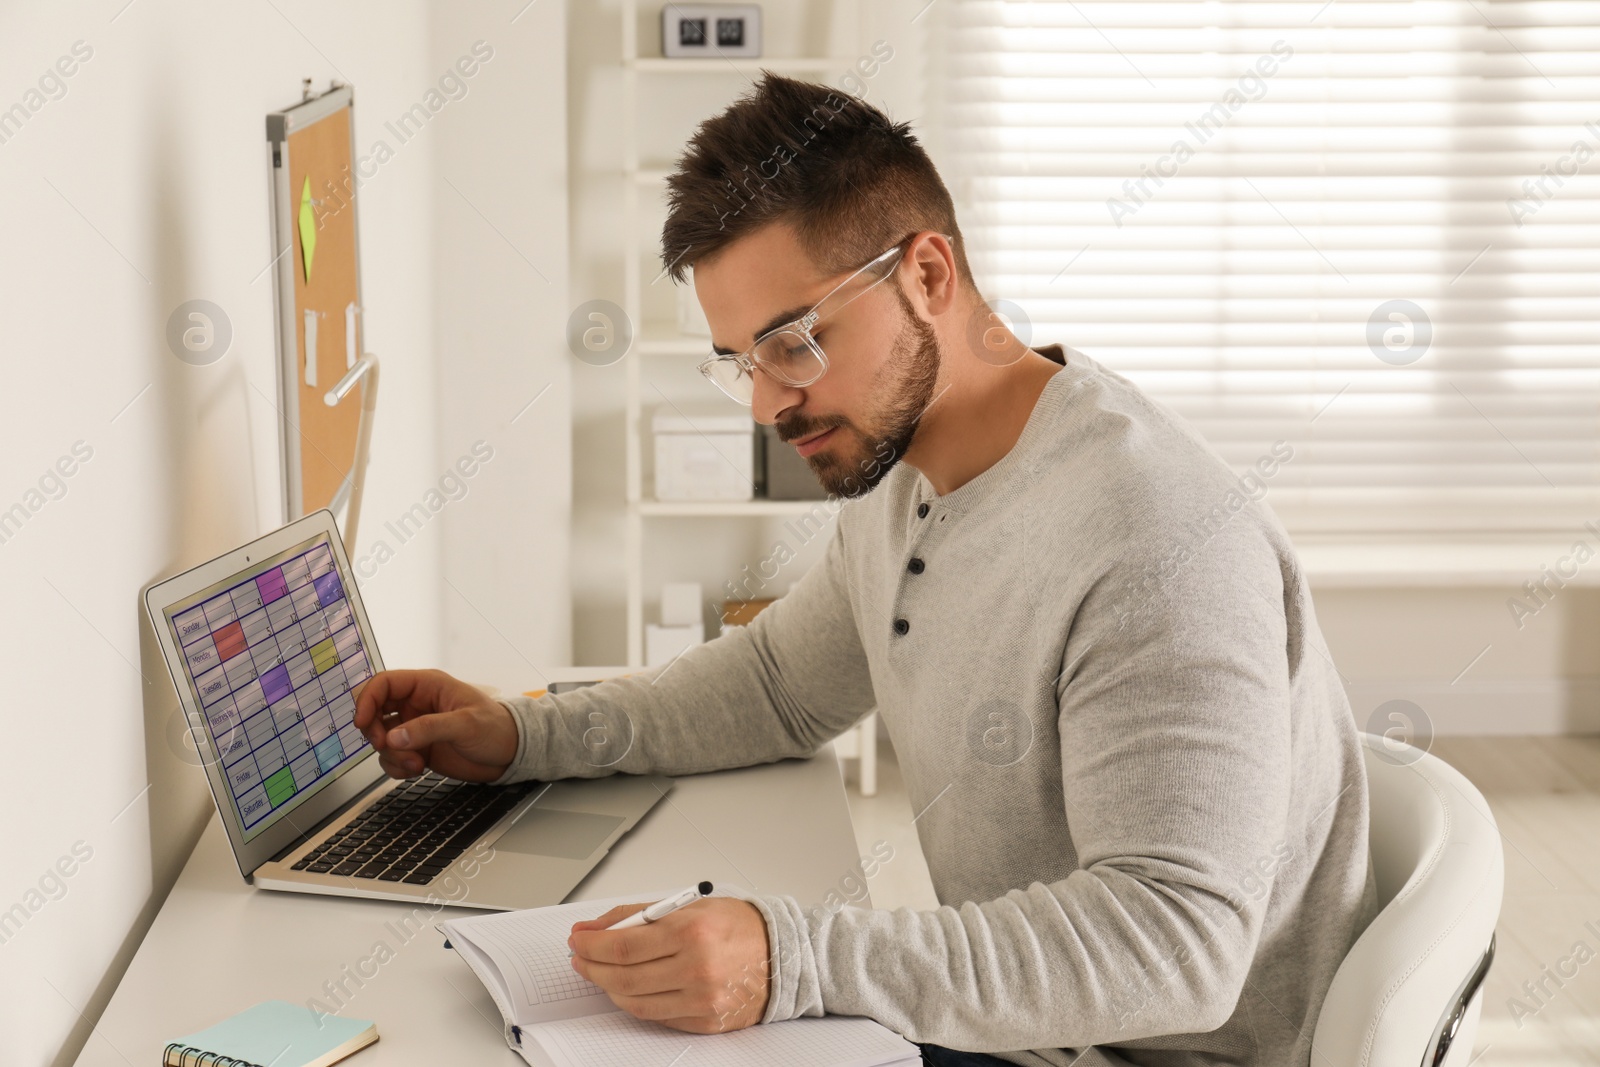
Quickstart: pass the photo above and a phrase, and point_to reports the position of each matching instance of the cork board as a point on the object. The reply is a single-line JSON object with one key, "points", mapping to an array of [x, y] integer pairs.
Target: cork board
{"points": [[315, 212]]}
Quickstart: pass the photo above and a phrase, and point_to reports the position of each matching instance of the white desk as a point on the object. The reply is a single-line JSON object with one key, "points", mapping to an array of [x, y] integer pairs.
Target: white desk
{"points": [[218, 946]]}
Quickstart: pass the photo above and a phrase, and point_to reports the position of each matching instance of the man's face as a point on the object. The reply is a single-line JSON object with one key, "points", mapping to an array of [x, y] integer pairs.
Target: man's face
{"points": [[855, 422]]}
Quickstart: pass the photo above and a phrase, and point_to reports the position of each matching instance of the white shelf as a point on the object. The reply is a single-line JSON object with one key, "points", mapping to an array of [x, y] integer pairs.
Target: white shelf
{"points": [[713, 509], [746, 67]]}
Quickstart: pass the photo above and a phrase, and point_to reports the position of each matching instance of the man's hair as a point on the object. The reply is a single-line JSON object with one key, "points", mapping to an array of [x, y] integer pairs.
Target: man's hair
{"points": [[847, 179]]}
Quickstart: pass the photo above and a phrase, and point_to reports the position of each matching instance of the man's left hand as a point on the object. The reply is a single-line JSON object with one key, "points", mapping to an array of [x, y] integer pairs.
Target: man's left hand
{"points": [[702, 969]]}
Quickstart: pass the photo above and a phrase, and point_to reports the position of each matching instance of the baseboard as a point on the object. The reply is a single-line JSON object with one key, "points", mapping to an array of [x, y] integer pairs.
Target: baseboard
{"points": [[1536, 707]]}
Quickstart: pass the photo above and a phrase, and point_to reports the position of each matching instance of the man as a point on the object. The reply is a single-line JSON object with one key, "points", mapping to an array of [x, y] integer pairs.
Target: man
{"points": [[1140, 788]]}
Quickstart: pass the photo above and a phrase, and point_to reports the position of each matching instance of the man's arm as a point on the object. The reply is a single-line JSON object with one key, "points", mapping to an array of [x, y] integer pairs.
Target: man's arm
{"points": [[1174, 735], [793, 679]]}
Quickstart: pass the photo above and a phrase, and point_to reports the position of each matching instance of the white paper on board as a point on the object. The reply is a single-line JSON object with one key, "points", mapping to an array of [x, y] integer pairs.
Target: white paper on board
{"points": [[349, 335], [311, 348]]}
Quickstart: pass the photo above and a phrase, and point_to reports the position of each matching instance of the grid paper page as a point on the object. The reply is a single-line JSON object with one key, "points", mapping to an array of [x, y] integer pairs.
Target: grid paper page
{"points": [[530, 947], [536, 942], [618, 1038]]}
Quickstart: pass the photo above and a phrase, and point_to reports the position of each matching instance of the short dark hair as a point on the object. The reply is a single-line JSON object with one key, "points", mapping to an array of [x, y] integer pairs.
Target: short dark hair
{"points": [[848, 179]]}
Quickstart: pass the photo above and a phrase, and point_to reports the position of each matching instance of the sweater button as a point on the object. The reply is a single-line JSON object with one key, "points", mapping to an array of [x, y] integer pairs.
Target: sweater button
{"points": [[916, 566], [922, 511], [901, 626]]}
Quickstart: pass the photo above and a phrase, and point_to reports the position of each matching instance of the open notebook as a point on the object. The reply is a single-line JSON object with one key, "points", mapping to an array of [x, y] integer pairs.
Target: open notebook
{"points": [[554, 1017]]}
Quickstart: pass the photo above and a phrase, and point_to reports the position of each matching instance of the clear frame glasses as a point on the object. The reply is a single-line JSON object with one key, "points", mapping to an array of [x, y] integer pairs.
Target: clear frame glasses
{"points": [[789, 354]]}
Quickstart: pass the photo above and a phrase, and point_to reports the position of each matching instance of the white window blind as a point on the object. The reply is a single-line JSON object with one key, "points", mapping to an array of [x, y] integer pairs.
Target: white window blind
{"points": [[1223, 200]]}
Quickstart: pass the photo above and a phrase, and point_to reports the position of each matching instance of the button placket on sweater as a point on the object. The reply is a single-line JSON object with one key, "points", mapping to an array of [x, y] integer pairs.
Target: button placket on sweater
{"points": [[928, 518]]}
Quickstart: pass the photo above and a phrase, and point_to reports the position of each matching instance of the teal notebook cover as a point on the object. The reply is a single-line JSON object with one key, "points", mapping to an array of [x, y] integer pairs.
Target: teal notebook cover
{"points": [[274, 1033]]}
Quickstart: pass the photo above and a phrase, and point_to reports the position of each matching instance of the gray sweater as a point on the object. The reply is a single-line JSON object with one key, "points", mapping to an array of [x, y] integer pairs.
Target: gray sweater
{"points": [[1140, 789]]}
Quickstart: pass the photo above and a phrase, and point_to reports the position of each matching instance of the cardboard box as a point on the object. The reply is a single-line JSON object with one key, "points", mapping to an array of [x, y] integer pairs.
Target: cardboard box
{"points": [[740, 612]]}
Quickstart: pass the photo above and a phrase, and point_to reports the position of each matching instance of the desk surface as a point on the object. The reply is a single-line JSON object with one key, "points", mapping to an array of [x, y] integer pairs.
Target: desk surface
{"points": [[218, 945]]}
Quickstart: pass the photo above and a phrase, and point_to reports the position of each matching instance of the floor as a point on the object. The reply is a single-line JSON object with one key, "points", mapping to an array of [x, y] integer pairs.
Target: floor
{"points": [[1545, 792]]}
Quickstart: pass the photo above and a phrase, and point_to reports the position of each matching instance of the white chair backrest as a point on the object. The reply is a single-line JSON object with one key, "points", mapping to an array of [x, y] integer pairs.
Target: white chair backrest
{"points": [[1440, 872]]}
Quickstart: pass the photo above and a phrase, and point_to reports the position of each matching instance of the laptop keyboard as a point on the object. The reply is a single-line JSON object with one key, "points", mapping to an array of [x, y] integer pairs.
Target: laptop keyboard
{"points": [[412, 833]]}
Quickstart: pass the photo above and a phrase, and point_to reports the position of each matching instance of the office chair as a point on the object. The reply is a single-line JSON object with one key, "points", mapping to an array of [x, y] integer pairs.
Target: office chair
{"points": [[1410, 989]]}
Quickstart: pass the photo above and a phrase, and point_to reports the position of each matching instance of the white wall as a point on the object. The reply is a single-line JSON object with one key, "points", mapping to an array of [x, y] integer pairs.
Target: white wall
{"points": [[1461, 658], [144, 186], [501, 304]]}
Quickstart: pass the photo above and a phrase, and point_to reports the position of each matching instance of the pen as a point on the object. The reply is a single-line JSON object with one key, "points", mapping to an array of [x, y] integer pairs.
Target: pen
{"points": [[661, 908]]}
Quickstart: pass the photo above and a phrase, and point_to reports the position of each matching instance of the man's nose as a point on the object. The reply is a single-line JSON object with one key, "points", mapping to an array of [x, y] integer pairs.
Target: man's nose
{"points": [[771, 398]]}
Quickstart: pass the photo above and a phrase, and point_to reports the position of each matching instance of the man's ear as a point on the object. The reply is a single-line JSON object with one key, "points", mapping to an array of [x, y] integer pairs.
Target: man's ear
{"points": [[934, 283]]}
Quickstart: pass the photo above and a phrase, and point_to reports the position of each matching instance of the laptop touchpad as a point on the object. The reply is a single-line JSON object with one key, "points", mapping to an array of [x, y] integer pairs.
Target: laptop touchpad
{"points": [[572, 835]]}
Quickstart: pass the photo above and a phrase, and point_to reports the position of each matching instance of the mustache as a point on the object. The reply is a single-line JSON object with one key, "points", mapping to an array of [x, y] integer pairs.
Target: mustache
{"points": [[797, 427]]}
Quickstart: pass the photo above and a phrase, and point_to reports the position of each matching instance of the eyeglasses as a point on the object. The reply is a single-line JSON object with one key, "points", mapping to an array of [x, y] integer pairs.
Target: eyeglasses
{"points": [[789, 354]]}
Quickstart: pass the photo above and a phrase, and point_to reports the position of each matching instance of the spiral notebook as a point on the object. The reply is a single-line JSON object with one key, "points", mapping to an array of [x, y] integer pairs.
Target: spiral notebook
{"points": [[554, 1017], [274, 1033]]}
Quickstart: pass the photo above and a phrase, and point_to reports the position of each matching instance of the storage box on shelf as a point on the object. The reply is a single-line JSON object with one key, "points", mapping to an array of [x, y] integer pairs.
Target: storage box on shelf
{"points": [[703, 455]]}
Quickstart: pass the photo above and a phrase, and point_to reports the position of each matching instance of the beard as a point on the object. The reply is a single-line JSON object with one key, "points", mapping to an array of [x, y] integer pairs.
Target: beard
{"points": [[855, 463]]}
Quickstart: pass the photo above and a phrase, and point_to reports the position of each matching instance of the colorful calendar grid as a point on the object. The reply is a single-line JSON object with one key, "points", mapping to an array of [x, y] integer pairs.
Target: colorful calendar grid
{"points": [[274, 660]]}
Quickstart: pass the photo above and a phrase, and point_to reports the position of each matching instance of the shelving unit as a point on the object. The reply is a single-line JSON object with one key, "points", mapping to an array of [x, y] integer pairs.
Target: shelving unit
{"points": [[652, 340]]}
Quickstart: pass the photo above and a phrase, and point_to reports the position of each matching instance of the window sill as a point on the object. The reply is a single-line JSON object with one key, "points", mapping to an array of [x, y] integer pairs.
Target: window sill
{"points": [[1378, 562]]}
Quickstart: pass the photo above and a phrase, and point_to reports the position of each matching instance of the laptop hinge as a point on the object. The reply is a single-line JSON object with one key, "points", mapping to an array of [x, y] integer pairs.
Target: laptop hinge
{"points": [[329, 819]]}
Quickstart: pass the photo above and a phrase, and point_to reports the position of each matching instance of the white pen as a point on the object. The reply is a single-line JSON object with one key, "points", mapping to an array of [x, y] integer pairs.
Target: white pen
{"points": [[665, 906]]}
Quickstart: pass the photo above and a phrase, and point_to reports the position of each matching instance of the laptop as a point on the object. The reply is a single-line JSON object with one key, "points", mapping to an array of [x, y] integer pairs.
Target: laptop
{"points": [[267, 647]]}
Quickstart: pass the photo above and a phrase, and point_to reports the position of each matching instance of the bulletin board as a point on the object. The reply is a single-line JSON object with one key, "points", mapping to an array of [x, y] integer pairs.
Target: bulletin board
{"points": [[317, 283]]}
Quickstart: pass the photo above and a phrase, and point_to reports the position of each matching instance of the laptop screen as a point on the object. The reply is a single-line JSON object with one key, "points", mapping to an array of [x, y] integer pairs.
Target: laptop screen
{"points": [[273, 656]]}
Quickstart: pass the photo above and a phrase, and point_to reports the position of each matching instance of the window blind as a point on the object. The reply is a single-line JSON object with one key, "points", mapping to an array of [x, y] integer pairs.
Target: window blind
{"points": [[1369, 230]]}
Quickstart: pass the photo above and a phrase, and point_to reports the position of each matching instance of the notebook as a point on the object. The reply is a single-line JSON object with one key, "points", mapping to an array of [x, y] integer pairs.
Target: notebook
{"points": [[554, 1017], [274, 1033]]}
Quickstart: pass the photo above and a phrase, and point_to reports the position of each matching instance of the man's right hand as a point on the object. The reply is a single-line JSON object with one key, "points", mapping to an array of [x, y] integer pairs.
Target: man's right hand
{"points": [[427, 720]]}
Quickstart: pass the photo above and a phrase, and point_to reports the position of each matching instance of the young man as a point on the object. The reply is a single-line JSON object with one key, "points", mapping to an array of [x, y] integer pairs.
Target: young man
{"points": [[1140, 787]]}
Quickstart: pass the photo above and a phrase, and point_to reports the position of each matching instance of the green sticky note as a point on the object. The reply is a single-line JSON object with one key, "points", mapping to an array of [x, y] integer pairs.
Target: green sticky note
{"points": [[308, 228]]}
